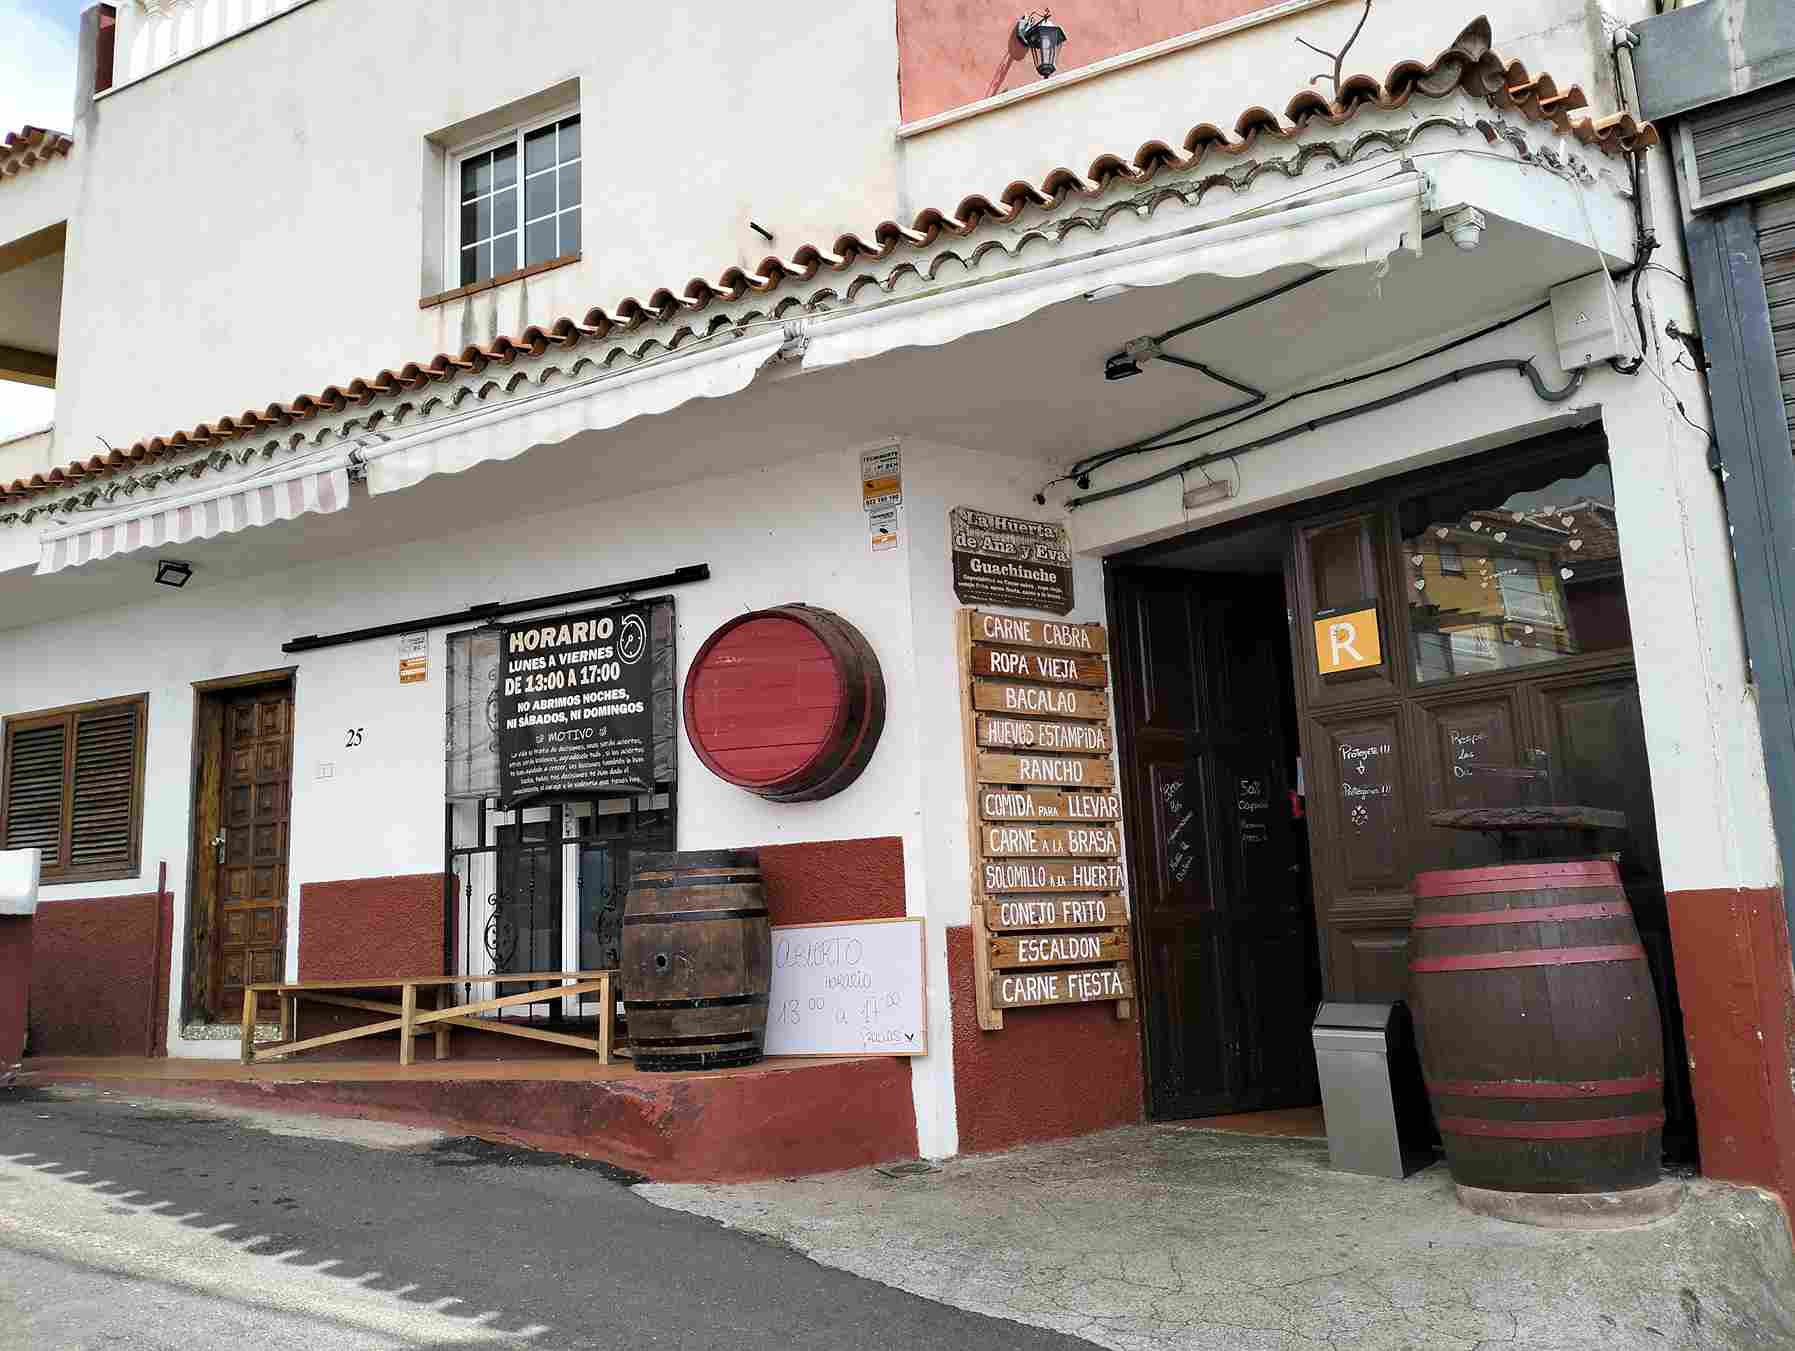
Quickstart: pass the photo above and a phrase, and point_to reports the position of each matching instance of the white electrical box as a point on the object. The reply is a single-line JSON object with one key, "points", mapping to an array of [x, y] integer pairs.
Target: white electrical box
{"points": [[18, 881], [1589, 325]]}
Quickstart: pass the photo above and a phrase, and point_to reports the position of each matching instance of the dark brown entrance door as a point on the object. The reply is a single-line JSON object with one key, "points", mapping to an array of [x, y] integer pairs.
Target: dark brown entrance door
{"points": [[247, 843], [1228, 967]]}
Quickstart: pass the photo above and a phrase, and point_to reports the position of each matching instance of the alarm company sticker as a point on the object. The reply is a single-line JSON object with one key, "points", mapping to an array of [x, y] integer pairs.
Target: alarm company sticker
{"points": [[882, 495]]}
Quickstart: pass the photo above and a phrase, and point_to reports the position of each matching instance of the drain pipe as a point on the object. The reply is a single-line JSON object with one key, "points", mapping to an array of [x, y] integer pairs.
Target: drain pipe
{"points": [[1522, 367]]}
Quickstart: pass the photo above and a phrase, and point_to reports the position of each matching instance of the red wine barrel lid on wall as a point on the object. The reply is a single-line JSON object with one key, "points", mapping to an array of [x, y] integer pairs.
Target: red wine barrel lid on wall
{"points": [[787, 703]]}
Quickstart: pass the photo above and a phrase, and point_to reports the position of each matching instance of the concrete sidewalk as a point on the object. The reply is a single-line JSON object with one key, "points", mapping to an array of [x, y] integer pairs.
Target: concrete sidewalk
{"points": [[1170, 1237]]}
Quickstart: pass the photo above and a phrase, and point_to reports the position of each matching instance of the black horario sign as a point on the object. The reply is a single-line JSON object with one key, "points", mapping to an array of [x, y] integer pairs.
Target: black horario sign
{"points": [[577, 706]]}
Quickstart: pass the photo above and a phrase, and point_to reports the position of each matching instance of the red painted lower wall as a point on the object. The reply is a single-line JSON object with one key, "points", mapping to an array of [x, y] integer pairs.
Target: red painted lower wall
{"points": [[1050, 1073], [780, 1119], [371, 926], [99, 976], [834, 880], [15, 983], [1737, 989]]}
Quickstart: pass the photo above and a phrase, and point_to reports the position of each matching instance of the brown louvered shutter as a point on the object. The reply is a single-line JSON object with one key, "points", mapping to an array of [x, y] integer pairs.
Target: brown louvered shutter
{"points": [[34, 783], [103, 814]]}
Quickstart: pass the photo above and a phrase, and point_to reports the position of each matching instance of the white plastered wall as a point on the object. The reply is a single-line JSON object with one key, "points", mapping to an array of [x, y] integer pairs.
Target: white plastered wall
{"points": [[785, 532]]}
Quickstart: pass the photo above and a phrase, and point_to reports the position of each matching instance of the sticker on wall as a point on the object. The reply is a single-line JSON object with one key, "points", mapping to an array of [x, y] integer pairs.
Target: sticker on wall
{"points": [[414, 658], [882, 495], [1347, 640]]}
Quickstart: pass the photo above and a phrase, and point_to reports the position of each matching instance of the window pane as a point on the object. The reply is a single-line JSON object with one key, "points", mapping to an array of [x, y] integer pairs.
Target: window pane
{"points": [[504, 254], [570, 232], [539, 150], [540, 242], [476, 264], [539, 196], [476, 176], [504, 211], [470, 223], [570, 139], [504, 166], [570, 186], [1502, 576]]}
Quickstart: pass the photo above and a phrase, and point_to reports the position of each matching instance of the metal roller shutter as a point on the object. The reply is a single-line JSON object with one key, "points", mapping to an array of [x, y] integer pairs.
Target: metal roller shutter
{"points": [[1776, 246]]}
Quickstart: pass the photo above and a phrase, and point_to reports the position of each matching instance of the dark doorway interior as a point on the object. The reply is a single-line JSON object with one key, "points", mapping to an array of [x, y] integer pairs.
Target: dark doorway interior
{"points": [[1229, 965]]}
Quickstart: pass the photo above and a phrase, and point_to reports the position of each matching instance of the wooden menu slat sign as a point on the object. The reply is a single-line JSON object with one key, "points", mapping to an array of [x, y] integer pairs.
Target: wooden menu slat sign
{"points": [[1045, 829], [1038, 734], [1051, 633], [1014, 841], [1012, 913], [1018, 990], [1096, 945], [1002, 696], [1047, 804], [1066, 771], [1000, 876], [1017, 914], [1053, 668]]}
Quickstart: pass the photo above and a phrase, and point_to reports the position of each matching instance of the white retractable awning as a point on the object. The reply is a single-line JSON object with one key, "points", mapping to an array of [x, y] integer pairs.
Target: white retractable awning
{"points": [[1342, 228], [318, 487], [510, 428]]}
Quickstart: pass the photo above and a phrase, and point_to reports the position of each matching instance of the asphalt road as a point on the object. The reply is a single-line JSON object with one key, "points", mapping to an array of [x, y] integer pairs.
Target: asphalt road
{"points": [[140, 1225]]}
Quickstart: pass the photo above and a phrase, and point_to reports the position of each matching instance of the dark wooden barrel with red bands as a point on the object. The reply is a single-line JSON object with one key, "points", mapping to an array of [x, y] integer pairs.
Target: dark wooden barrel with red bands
{"points": [[787, 703], [1538, 1027], [697, 960]]}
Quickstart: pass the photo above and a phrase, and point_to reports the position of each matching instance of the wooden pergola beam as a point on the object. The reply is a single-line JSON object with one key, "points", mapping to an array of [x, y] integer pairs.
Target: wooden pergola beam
{"points": [[28, 368]]}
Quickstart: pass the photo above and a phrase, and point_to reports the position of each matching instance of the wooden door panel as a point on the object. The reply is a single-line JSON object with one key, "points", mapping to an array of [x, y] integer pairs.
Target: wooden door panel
{"points": [[1593, 732], [1166, 698], [255, 797], [1338, 565], [1463, 745], [1369, 958], [1361, 799], [1221, 907], [1180, 854]]}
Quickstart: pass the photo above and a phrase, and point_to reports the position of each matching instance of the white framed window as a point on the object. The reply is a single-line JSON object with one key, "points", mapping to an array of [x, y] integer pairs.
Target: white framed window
{"points": [[514, 200]]}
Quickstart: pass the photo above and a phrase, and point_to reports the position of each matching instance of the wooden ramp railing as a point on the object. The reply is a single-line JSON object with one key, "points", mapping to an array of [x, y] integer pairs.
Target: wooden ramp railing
{"points": [[412, 1022]]}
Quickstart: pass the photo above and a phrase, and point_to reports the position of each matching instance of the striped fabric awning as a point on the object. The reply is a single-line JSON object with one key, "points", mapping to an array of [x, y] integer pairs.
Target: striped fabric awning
{"points": [[180, 520]]}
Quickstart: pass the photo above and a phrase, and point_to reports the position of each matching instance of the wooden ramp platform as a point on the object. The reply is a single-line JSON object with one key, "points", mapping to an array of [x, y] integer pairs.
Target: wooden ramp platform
{"points": [[780, 1118]]}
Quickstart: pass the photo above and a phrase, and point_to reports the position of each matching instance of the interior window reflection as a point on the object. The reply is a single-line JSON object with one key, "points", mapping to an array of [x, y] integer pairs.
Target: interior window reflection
{"points": [[1506, 575]]}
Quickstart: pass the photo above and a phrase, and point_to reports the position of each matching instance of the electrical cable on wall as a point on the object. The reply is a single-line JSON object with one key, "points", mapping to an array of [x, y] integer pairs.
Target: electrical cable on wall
{"points": [[1519, 365]]}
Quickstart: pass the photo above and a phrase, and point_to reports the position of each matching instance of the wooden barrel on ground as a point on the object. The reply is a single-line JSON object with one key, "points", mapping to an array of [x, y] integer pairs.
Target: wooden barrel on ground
{"points": [[787, 703], [1538, 1027], [697, 960]]}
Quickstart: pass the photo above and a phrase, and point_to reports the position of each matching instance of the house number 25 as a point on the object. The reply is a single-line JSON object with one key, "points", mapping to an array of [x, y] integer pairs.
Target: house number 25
{"points": [[354, 738]]}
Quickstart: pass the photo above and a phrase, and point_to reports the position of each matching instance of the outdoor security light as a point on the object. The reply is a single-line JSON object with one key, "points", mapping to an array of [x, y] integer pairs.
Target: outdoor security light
{"points": [[1043, 38], [173, 572], [1466, 226], [1128, 361]]}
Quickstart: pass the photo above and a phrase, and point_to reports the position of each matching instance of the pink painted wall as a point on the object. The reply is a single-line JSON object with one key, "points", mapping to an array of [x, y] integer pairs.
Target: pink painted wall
{"points": [[952, 52]]}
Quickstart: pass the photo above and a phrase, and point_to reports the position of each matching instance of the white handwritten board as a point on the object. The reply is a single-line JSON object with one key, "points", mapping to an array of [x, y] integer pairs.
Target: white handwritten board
{"points": [[853, 988]]}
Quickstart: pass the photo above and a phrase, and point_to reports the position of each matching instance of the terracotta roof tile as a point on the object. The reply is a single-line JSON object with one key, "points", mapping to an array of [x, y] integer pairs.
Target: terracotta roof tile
{"points": [[1470, 65], [30, 146]]}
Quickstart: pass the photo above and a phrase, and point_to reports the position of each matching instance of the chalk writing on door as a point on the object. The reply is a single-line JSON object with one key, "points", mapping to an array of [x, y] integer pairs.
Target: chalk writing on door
{"points": [[1251, 806], [1465, 752], [1180, 853]]}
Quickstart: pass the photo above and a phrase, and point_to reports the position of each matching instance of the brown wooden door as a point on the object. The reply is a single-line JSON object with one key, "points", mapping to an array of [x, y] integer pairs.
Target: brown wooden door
{"points": [[254, 799], [1222, 920]]}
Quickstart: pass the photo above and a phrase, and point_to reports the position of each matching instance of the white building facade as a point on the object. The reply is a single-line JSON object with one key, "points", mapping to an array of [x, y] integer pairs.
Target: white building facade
{"points": [[372, 320]]}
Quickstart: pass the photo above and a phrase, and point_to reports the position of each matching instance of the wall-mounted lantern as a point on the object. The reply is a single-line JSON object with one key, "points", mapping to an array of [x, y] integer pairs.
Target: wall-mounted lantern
{"points": [[1043, 37]]}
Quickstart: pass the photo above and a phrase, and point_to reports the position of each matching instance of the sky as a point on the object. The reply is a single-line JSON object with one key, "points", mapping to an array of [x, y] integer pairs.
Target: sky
{"points": [[37, 86]]}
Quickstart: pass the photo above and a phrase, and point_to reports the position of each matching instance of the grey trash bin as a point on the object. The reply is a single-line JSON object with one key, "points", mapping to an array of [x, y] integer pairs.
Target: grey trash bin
{"points": [[1362, 1052]]}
